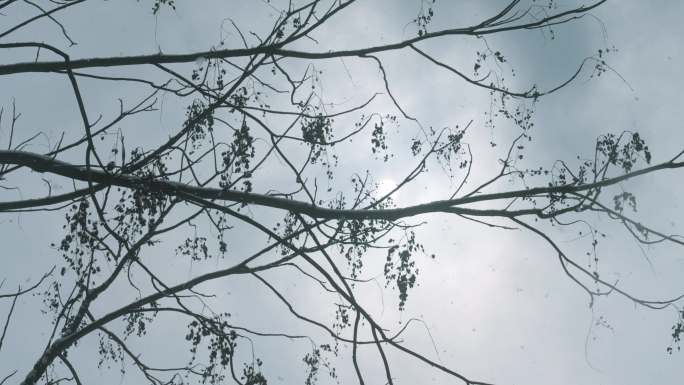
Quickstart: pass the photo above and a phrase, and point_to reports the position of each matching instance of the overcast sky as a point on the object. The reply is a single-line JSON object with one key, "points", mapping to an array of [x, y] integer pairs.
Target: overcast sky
{"points": [[495, 304]]}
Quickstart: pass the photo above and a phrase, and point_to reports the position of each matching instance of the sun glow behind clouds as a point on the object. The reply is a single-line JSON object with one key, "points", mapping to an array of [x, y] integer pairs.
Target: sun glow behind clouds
{"points": [[385, 186]]}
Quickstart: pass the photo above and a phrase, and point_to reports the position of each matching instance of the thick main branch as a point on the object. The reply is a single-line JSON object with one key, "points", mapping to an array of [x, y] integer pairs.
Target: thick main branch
{"points": [[41, 163]]}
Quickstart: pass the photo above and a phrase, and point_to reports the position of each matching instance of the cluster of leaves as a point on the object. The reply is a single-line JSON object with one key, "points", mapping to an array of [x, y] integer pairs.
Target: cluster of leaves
{"points": [[400, 266], [317, 133], [221, 225], [619, 201], [450, 149], [294, 23], [239, 98], [521, 116], [600, 64], [358, 237], [314, 361], [625, 156], [416, 146], [558, 200], [677, 332], [379, 139], [358, 245], [251, 374], [237, 160], [52, 299], [109, 352], [592, 252], [289, 226], [611, 150], [136, 323], [221, 345], [425, 16], [203, 70], [195, 248], [139, 209], [84, 247], [198, 122], [342, 319], [481, 59], [78, 245]]}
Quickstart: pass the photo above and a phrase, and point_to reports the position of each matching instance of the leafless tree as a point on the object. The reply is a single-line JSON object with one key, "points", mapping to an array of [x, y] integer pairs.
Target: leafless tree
{"points": [[258, 155]]}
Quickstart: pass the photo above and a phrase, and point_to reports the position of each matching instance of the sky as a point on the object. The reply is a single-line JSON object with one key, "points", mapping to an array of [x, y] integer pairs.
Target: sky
{"points": [[494, 304]]}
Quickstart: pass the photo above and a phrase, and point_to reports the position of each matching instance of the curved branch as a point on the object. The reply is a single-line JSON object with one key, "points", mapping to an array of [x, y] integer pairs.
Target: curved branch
{"points": [[278, 50]]}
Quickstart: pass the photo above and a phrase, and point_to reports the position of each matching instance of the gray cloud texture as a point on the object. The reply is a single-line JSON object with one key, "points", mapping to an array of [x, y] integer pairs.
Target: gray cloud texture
{"points": [[494, 304]]}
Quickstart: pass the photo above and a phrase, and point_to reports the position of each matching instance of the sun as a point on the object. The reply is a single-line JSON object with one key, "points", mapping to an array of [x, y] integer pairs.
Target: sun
{"points": [[385, 186]]}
